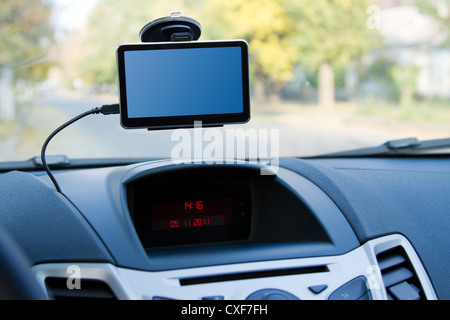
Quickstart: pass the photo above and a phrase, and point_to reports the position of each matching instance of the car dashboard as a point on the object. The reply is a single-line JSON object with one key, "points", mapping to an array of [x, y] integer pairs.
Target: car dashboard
{"points": [[310, 229]]}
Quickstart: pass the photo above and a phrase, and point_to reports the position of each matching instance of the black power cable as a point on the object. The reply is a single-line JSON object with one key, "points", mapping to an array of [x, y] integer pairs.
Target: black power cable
{"points": [[105, 109]]}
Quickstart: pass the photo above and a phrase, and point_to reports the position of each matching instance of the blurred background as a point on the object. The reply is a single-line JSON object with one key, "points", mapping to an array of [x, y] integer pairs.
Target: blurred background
{"points": [[330, 75]]}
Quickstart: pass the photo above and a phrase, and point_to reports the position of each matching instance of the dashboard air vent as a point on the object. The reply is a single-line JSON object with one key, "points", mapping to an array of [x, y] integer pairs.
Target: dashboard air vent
{"points": [[89, 289], [399, 276]]}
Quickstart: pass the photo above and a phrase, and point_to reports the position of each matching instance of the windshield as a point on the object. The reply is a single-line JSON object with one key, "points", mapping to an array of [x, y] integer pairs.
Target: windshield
{"points": [[325, 76]]}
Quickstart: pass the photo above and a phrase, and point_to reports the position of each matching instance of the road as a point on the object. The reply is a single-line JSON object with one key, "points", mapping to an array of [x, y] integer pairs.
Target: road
{"points": [[302, 131], [96, 136]]}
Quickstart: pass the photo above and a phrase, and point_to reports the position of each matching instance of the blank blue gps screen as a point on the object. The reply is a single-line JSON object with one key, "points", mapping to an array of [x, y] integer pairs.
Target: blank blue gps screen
{"points": [[183, 82]]}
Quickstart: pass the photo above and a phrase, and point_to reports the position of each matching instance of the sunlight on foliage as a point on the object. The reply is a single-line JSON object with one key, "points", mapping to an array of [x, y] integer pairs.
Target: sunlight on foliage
{"points": [[282, 34]]}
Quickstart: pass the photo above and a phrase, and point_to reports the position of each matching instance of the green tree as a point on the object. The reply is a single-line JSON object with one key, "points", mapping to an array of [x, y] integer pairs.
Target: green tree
{"points": [[331, 33], [114, 22], [25, 32], [267, 27], [117, 21], [439, 11], [405, 82], [322, 35], [25, 39]]}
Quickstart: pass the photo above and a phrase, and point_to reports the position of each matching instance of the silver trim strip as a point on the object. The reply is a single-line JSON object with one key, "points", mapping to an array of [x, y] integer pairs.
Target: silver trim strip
{"points": [[144, 285]]}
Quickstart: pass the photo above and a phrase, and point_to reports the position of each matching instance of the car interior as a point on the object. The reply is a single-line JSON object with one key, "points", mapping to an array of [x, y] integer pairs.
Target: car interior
{"points": [[367, 224]]}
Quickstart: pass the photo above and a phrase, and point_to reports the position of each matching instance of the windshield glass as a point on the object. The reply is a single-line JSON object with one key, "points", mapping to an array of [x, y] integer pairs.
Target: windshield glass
{"points": [[325, 76]]}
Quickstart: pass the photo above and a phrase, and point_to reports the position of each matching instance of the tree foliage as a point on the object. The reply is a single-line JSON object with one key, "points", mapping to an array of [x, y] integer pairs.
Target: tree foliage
{"points": [[331, 34], [439, 12], [25, 36], [284, 33], [114, 22], [267, 27], [281, 33], [333, 31]]}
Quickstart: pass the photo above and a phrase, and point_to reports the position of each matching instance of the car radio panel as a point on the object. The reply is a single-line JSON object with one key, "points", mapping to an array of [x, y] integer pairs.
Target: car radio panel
{"points": [[185, 212]]}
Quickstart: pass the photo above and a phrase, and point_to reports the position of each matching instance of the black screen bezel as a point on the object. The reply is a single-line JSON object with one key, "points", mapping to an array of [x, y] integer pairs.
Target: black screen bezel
{"points": [[144, 193], [173, 122]]}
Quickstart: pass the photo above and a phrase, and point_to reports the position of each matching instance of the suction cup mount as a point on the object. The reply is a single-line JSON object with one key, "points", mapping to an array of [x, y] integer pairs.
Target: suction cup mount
{"points": [[171, 29]]}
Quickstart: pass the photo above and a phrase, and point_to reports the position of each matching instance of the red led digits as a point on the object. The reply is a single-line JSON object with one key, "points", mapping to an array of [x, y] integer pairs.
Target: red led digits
{"points": [[194, 222], [191, 214], [202, 222], [193, 205]]}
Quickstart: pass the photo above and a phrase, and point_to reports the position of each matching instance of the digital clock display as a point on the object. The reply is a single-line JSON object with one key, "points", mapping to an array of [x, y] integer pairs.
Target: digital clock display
{"points": [[191, 213], [190, 208]]}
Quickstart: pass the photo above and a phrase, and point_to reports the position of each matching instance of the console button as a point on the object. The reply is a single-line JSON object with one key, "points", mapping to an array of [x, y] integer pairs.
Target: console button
{"points": [[353, 290], [318, 289], [271, 294]]}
